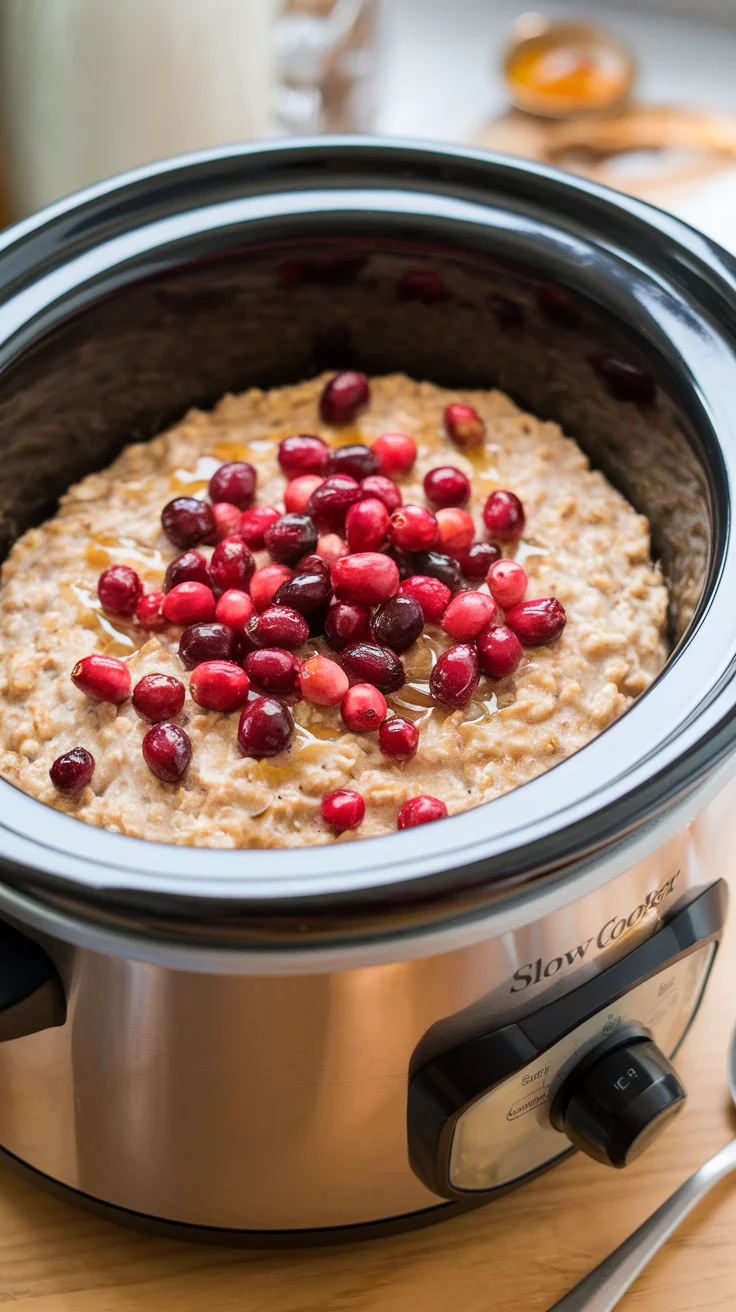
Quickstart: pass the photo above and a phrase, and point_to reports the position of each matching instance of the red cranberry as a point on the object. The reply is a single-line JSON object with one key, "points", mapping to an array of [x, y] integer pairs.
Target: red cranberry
{"points": [[395, 453], [290, 537], [330, 503], [503, 516], [347, 622], [476, 561], [105, 678], [303, 454], [398, 738], [206, 642], [227, 520], [187, 521], [454, 678], [148, 611], [464, 426], [277, 626], [189, 567], [158, 697], [383, 489], [274, 670], [368, 576], [363, 708], [234, 609], [323, 681], [467, 614], [73, 770], [414, 528], [119, 590], [455, 529], [499, 651], [235, 482], [253, 525], [330, 547], [312, 564], [342, 810], [508, 582], [219, 685], [436, 565], [298, 492], [266, 727], [305, 592], [559, 305], [421, 285], [344, 397], [537, 623], [189, 603], [366, 525], [366, 662], [420, 811], [266, 582], [231, 566], [398, 622], [357, 460], [167, 751], [446, 486], [625, 381], [432, 595]]}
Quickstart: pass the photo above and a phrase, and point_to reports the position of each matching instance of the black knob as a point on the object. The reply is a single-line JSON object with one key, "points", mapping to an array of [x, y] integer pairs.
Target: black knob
{"points": [[618, 1099]]}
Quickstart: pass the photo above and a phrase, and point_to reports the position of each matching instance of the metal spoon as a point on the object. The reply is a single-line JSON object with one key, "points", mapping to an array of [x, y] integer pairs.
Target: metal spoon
{"points": [[606, 1285]]}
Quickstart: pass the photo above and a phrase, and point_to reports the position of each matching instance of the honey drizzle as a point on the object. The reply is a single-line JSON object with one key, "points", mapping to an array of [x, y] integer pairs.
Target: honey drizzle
{"points": [[113, 641]]}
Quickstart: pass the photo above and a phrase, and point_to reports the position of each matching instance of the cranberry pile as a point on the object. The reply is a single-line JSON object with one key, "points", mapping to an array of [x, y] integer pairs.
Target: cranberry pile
{"points": [[349, 562]]}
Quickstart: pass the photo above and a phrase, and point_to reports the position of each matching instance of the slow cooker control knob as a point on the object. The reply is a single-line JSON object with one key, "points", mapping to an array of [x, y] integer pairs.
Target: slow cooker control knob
{"points": [[618, 1099]]}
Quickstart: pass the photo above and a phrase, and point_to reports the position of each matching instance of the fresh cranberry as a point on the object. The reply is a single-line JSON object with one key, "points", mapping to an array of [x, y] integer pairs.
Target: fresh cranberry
{"points": [[436, 565], [234, 608], [189, 567], [476, 561], [398, 622], [323, 681], [414, 528], [467, 614], [266, 582], [559, 305], [432, 595], [464, 426], [398, 738], [366, 525], [187, 521], [73, 770], [290, 537], [330, 503], [206, 642], [303, 454], [446, 486], [298, 492], [395, 453], [231, 566], [454, 678], [537, 623], [148, 611], [277, 626], [499, 651], [421, 285], [234, 482], [342, 810], [508, 582], [368, 576], [119, 589], [420, 811], [344, 397], [312, 564], [383, 489], [167, 751], [227, 520], [317, 621], [455, 529], [189, 603], [404, 560], [266, 727], [219, 685], [253, 525], [158, 697], [305, 592], [347, 622], [357, 460], [330, 547], [624, 380], [271, 669], [503, 516], [105, 678], [366, 662], [363, 708]]}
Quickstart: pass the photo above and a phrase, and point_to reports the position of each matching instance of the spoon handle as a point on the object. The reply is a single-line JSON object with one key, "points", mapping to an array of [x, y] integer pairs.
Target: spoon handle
{"points": [[602, 1289]]}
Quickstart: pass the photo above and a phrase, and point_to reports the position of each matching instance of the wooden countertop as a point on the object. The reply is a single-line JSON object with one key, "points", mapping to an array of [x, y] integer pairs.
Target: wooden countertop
{"points": [[523, 1252]]}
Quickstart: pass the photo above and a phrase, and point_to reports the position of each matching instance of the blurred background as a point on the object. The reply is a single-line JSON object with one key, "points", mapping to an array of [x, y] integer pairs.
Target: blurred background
{"points": [[642, 97]]}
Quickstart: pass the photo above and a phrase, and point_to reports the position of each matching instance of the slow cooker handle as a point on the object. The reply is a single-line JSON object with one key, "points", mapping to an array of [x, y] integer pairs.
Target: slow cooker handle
{"points": [[31, 993]]}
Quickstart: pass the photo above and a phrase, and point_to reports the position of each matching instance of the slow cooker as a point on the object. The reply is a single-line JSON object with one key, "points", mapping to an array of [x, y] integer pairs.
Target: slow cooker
{"points": [[255, 1046]]}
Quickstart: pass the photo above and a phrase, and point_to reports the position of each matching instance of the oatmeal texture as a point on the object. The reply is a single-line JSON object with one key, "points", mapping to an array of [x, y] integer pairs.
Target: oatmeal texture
{"points": [[583, 543]]}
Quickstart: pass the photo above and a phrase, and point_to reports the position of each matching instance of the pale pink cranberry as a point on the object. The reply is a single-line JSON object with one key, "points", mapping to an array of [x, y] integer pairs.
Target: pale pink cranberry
{"points": [[306, 592], [234, 608], [266, 727], [508, 583], [344, 397], [366, 525], [303, 453], [148, 611], [398, 738], [234, 482], [363, 708], [271, 669], [73, 770], [454, 678], [503, 516], [158, 697], [189, 567], [219, 685], [105, 678], [119, 589], [464, 425], [253, 525], [167, 751], [468, 614], [330, 547], [323, 681], [347, 622], [357, 460], [231, 566], [537, 623], [499, 651], [206, 642], [187, 521], [455, 529], [298, 492], [277, 626], [414, 528], [398, 622], [383, 489], [476, 561], [433, 596], [227, 520], [395, 452], [366, 662], [330, 503], [189, 603], [343, 810], [290, 537], [266, 582], [421, 811], [446, 486], [368, 576]]}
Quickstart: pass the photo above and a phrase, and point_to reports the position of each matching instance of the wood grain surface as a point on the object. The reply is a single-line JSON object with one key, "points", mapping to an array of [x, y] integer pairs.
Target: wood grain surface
{"points": [[521, 1253]]}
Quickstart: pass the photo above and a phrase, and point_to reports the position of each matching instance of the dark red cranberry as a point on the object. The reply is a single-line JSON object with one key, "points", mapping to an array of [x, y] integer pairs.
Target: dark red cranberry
{"points": [[503, 516], [344, 397], [366, 662], [303, 453], [148, 612], [403, 559], [253, 525], [305, 592], [436, 565], [158, 697], [476, 561], [625, 381], [119, 589], [383, 489], [189, 603], [537, 623], [206, 642], [413, 528], [559, 305], [290, 537], [421, 285], [454, 678], [395, 453], [231, 566], [317, 621], [189, 567], [266, 728], [398, 738], [357, 460], [219, 686], [274, 670], [398, 622], [330, 503], [421, 811], [104, 678], [277, 626], [234, 482], [446, 486], [73, 770], [464, 426], [368, 576], [499, 651], [366, 525], [347, 622], [432, 595], [167, 751], [187, 521], [343, 810], [312, 564], [508, 314], [363, 708]]}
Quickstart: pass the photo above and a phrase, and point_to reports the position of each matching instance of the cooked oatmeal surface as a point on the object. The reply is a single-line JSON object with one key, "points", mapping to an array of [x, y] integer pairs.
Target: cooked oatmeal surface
{"points": [[583, 543]]}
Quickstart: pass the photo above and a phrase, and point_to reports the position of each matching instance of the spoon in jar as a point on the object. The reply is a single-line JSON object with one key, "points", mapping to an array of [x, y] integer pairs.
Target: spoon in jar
{"points": [[604, 1287]]}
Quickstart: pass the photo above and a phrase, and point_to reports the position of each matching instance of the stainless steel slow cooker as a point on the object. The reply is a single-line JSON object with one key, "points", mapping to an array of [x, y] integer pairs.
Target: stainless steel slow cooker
{"points": [[293, 1045]]}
